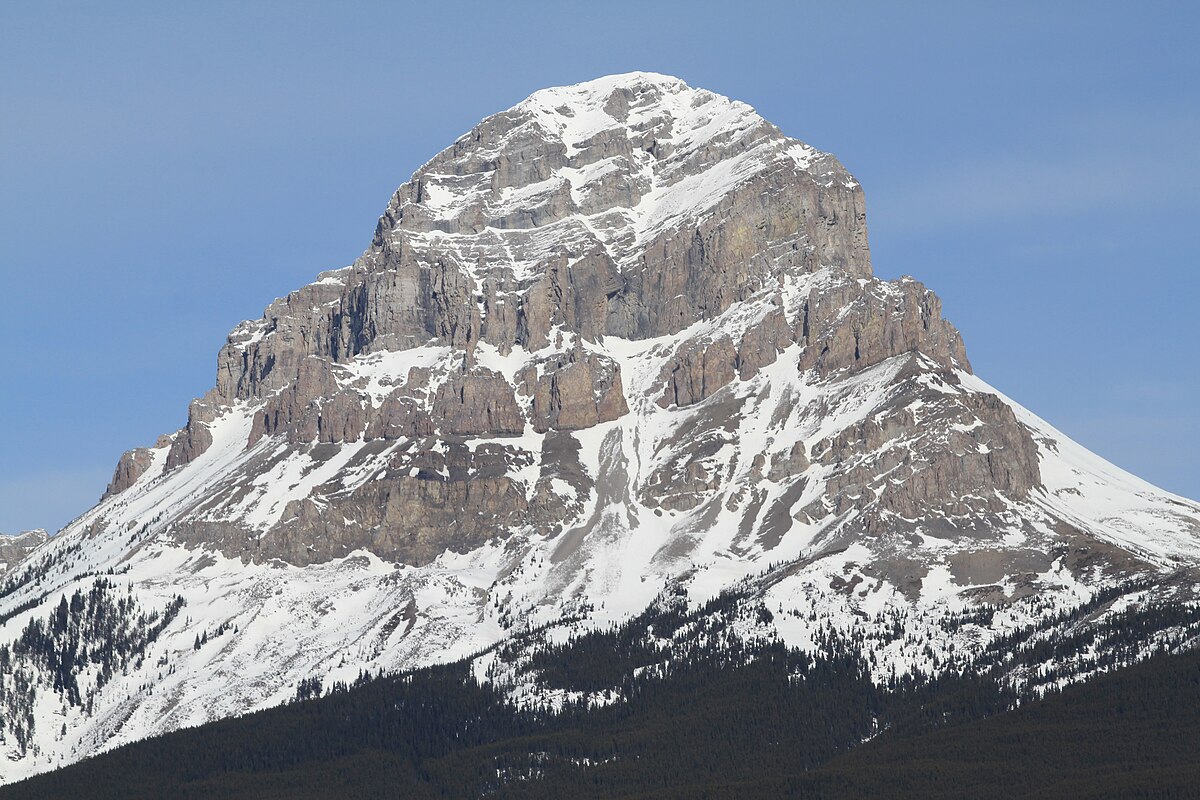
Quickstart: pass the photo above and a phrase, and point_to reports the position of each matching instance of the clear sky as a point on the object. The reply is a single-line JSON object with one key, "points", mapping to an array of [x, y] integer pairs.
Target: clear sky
{"points": [[166, 169]]}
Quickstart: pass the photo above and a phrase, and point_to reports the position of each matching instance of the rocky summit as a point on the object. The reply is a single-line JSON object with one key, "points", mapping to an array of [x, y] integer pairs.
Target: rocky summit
{"points": [[620, 340]]}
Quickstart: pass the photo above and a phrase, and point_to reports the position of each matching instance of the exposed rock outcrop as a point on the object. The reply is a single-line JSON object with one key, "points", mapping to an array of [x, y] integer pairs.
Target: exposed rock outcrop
{"points": [[133, 465], [14, 548], [573, 390]]}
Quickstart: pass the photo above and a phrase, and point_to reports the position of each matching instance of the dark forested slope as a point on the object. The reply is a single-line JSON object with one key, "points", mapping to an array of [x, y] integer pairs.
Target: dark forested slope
{"points": [[756, 720]]}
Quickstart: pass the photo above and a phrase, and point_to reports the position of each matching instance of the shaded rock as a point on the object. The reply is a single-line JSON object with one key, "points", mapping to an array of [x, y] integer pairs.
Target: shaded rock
{"points": [[574, 390], [476, 403], [14, 548], [195, 438], [849, 325], [132, 465]]}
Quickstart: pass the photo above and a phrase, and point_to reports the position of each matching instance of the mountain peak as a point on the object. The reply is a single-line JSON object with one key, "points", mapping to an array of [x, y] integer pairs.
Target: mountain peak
{"points": [[637, 100], [614, 165], [602, 87]]}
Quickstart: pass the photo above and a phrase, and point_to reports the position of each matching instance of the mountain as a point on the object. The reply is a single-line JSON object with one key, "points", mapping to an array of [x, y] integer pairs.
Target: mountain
{"points": [[778, 724], [15, 547], [618, 347]]}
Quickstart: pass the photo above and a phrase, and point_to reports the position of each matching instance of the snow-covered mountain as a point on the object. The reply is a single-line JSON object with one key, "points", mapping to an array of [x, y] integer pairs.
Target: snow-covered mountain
{"points": [[15, 547], [621, 338]]}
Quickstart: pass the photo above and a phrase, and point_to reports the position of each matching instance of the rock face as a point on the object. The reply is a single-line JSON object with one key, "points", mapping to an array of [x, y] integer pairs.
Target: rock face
{"points": [[633, 209], [622, 336], [14, 549], [133, 465]]}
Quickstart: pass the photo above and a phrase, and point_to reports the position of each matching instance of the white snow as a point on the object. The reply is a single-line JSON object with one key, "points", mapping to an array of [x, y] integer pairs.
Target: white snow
{"points": [[1104, 499], [378, 374]]}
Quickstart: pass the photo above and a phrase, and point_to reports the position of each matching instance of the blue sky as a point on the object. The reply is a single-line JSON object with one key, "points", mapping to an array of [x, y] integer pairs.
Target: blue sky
{"points": [[168, 169]]}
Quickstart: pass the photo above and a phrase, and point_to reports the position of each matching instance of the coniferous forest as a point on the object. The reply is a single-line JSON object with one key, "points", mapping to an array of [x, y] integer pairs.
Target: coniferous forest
{"points": [[724, 717], [82, 644]]}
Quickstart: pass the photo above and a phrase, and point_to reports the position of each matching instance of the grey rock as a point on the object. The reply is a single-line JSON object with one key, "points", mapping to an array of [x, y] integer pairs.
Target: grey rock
{"points": [[14, 548], [574, 390], [133, 465], [477, 403]]}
